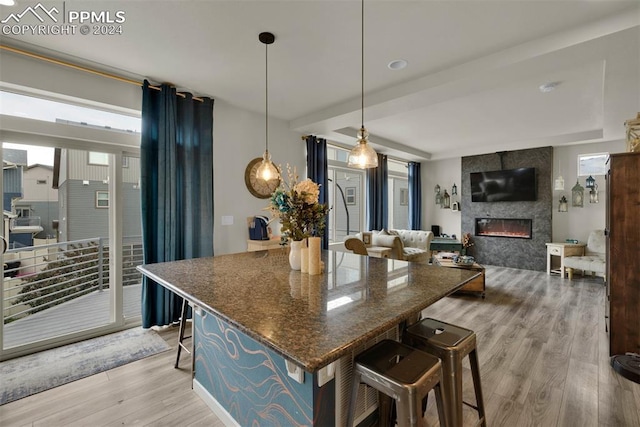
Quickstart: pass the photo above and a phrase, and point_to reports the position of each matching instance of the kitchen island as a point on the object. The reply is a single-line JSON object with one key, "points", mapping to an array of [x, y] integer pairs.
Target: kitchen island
{"points": [[274, 346]]}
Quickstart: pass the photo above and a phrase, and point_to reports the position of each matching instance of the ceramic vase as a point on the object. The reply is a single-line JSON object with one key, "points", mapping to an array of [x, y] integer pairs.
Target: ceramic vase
{"points": [[295, 259]]}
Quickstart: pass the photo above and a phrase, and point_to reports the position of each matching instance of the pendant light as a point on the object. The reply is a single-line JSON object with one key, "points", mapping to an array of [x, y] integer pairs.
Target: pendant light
{"points": [[267, 170], [362, 156]]}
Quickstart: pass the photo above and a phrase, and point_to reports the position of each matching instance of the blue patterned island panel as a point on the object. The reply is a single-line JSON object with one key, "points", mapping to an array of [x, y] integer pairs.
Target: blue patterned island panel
{"points": [[251, 382]]}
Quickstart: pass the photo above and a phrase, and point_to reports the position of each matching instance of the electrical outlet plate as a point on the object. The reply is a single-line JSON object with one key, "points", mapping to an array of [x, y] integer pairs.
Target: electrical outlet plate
{"points": [[326, 374], [295, 371]]}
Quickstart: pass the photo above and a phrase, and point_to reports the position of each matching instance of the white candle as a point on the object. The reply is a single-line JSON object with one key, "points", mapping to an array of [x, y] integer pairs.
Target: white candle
{"points": [[314, 255], [304, 259]]}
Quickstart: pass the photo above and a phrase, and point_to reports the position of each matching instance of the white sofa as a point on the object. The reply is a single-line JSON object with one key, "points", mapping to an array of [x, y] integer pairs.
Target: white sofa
{"points": [[408, 245], [594, 258]]}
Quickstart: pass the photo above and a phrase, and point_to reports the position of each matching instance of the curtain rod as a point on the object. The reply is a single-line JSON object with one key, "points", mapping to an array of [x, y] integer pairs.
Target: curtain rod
{"points": [[85, 69]]}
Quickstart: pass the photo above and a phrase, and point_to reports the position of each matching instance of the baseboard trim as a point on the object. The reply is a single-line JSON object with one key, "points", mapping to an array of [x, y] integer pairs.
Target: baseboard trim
{"points": [[213, 404]]}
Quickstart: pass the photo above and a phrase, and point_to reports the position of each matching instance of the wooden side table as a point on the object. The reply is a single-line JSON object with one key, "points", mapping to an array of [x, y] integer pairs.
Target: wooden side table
{"points": [[476, 286], [562, 250], [379, 251]]}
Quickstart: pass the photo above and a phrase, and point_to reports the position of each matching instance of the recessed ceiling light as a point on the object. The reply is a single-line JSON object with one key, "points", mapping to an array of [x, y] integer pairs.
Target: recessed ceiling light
{"points": [[548, 87], [398, 64], [7, 2]]}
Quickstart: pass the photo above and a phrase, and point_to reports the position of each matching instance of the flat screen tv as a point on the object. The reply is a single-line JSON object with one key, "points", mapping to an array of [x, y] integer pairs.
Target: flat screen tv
{"points": [[512, 185]]}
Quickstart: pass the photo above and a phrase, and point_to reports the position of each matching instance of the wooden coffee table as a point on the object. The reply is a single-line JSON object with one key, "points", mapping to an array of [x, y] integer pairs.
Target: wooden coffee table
{"points": [[476, 286]]}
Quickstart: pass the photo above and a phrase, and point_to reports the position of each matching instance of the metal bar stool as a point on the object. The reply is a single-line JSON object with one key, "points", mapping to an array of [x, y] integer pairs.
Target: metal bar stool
{"points": [[401, 372], [183, 323], [451, 344]]}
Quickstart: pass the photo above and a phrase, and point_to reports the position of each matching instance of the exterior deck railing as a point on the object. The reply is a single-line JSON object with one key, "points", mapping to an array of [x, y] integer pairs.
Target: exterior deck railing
{"points": [[39, 277]]}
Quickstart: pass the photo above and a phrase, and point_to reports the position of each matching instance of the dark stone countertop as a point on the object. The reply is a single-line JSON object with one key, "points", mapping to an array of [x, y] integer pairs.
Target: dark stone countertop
{"points": [[310, 320]]}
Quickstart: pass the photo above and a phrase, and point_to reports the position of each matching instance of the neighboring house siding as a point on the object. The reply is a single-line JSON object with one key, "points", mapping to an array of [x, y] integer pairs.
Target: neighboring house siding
{"points": [[12, 181], [39, 192], [80, 169], [132, 216], [78, 214], [82, 220]]}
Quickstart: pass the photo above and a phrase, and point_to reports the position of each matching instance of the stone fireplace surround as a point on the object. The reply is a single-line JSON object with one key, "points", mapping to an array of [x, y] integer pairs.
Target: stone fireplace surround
{"points": [[529, 254]]}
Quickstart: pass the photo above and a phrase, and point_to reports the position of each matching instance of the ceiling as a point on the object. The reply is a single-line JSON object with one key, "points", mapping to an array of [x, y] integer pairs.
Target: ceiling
{"points": [[471, 85]]}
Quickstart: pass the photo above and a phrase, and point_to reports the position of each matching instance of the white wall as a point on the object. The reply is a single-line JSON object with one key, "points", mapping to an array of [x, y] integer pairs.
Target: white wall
{"points": [[238, 137], [578, 222], [444, 173]]}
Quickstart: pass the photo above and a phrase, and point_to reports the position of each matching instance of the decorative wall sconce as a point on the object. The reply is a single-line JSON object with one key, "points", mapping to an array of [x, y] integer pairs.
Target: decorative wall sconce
{"points": [[446, 200], [593, 194], [577, 195], [590, 182], [454, 190], [438, 195], [563, 206]]}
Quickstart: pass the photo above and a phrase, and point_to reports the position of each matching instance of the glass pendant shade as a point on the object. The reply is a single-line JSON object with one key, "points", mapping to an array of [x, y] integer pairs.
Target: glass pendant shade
{"points": [[362, 156], [267, 170], [559, 183]]}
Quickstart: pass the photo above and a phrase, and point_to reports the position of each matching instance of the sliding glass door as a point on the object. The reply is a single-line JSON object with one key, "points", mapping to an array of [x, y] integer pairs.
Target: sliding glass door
{"points": [[71, 220]]}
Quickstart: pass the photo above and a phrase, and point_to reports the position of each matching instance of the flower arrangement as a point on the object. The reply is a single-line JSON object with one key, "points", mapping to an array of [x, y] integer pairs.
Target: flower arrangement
{"points": [[466, 242], [296, 204]]}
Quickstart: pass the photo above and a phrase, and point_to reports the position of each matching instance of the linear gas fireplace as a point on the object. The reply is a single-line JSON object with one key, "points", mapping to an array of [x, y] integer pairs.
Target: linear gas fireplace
{"points": [[504, 227]]}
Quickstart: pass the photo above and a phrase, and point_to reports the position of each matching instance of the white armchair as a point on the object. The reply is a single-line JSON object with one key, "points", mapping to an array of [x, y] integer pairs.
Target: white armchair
{"points": [[594, 259]]}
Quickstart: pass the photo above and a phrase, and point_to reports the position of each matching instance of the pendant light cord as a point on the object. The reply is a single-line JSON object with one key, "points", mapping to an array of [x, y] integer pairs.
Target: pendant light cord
{"points": [[266, 96], [362, 64]]}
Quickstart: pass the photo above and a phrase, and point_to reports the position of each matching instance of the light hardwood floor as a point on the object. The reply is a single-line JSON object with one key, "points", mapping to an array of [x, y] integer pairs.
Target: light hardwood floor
{"points": [[543, 359]]}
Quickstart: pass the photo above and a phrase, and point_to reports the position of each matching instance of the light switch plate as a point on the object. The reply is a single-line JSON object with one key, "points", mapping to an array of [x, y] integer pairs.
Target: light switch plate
{"points": [[227, 220]]}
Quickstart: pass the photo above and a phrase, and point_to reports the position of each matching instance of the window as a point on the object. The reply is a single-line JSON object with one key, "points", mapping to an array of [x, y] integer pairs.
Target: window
{"points": [[23, 211], [99, 159], [592, 164], [14, 104], [398, 194], [404, 197], [350, 194], [345, 196], [102, 199]]}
